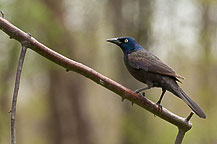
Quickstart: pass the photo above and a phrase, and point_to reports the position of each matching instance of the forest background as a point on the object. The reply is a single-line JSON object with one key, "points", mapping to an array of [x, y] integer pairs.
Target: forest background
{"points": [[57, 107]]}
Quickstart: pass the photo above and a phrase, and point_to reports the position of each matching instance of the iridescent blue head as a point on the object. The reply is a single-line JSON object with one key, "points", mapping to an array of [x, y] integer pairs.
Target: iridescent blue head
{"points": [[127, 44]]}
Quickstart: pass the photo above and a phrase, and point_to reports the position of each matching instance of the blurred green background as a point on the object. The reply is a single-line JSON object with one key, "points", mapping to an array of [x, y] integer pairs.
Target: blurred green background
{"points": [[56, 107]]}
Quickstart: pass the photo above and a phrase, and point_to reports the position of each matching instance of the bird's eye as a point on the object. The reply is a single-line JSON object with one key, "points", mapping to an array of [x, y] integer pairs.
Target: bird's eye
{"points": [[126, 40]]}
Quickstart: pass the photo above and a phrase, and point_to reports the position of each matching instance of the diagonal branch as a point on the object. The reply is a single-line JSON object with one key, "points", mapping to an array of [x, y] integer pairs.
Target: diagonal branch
{"points": [[82, 69], [15, 94]]}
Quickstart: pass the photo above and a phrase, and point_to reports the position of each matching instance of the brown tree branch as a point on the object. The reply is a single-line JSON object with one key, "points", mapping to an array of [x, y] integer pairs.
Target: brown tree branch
{"points": [[79, 68], [180, 136]]}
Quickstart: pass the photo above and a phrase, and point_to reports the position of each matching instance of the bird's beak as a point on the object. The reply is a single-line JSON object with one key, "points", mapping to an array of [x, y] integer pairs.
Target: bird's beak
{"points": [[114, 40]]}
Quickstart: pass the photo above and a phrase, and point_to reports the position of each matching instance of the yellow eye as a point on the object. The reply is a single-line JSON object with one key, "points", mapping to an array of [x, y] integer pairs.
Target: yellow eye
{"points": [[126, 40]]}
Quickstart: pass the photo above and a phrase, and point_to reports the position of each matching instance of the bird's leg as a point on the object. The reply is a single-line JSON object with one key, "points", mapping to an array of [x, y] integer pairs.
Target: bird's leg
{"points": [[161, 97], [142, 89], [150, 85]]}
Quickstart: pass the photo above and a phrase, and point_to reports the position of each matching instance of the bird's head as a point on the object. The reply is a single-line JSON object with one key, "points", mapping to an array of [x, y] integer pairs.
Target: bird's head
{"points": [[127, 44]]}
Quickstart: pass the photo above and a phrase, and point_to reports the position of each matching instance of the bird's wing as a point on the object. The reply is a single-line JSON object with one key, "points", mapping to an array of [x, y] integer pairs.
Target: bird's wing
{"points": [[150, 63]]}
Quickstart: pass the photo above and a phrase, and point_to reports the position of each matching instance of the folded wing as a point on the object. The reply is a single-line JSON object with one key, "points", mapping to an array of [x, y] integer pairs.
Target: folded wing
{"points": [[150, 63]]}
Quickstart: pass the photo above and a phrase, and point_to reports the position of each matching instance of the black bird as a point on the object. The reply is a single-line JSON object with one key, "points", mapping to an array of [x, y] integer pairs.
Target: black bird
{"points": [[149, 69]]}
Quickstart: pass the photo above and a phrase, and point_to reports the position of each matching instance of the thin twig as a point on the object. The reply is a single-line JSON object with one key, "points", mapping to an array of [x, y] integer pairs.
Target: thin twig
{"points": [[15, 94], [189, 117]]}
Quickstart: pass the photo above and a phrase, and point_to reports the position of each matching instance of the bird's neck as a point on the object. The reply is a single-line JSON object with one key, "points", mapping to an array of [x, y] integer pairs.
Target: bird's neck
{"points": [[137, 47]]}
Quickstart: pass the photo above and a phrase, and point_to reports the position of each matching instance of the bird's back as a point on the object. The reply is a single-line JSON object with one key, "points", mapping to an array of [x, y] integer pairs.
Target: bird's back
{"points": [[146, 61]]}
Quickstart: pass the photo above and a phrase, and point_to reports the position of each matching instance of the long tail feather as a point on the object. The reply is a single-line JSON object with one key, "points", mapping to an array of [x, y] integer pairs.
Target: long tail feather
{"points": [[192, 104]]}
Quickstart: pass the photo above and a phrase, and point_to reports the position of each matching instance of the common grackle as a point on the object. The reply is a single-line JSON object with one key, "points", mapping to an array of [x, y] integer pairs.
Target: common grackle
{"points": [[149, 69]]}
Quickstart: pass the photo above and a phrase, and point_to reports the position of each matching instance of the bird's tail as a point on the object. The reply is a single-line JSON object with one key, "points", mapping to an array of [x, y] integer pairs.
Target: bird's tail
{"points": [[191, 104]]}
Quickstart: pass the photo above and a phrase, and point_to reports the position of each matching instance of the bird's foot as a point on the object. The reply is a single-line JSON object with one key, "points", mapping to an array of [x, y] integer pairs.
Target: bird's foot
{"points": [[141, 94], [137, 91], [159, 106]]}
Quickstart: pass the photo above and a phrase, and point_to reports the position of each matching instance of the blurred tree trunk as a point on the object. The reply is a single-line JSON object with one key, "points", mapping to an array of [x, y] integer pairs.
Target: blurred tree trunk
{"points": [[207, 40], [115, 9], [68, 124], [143, 33], [137, 24]]}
